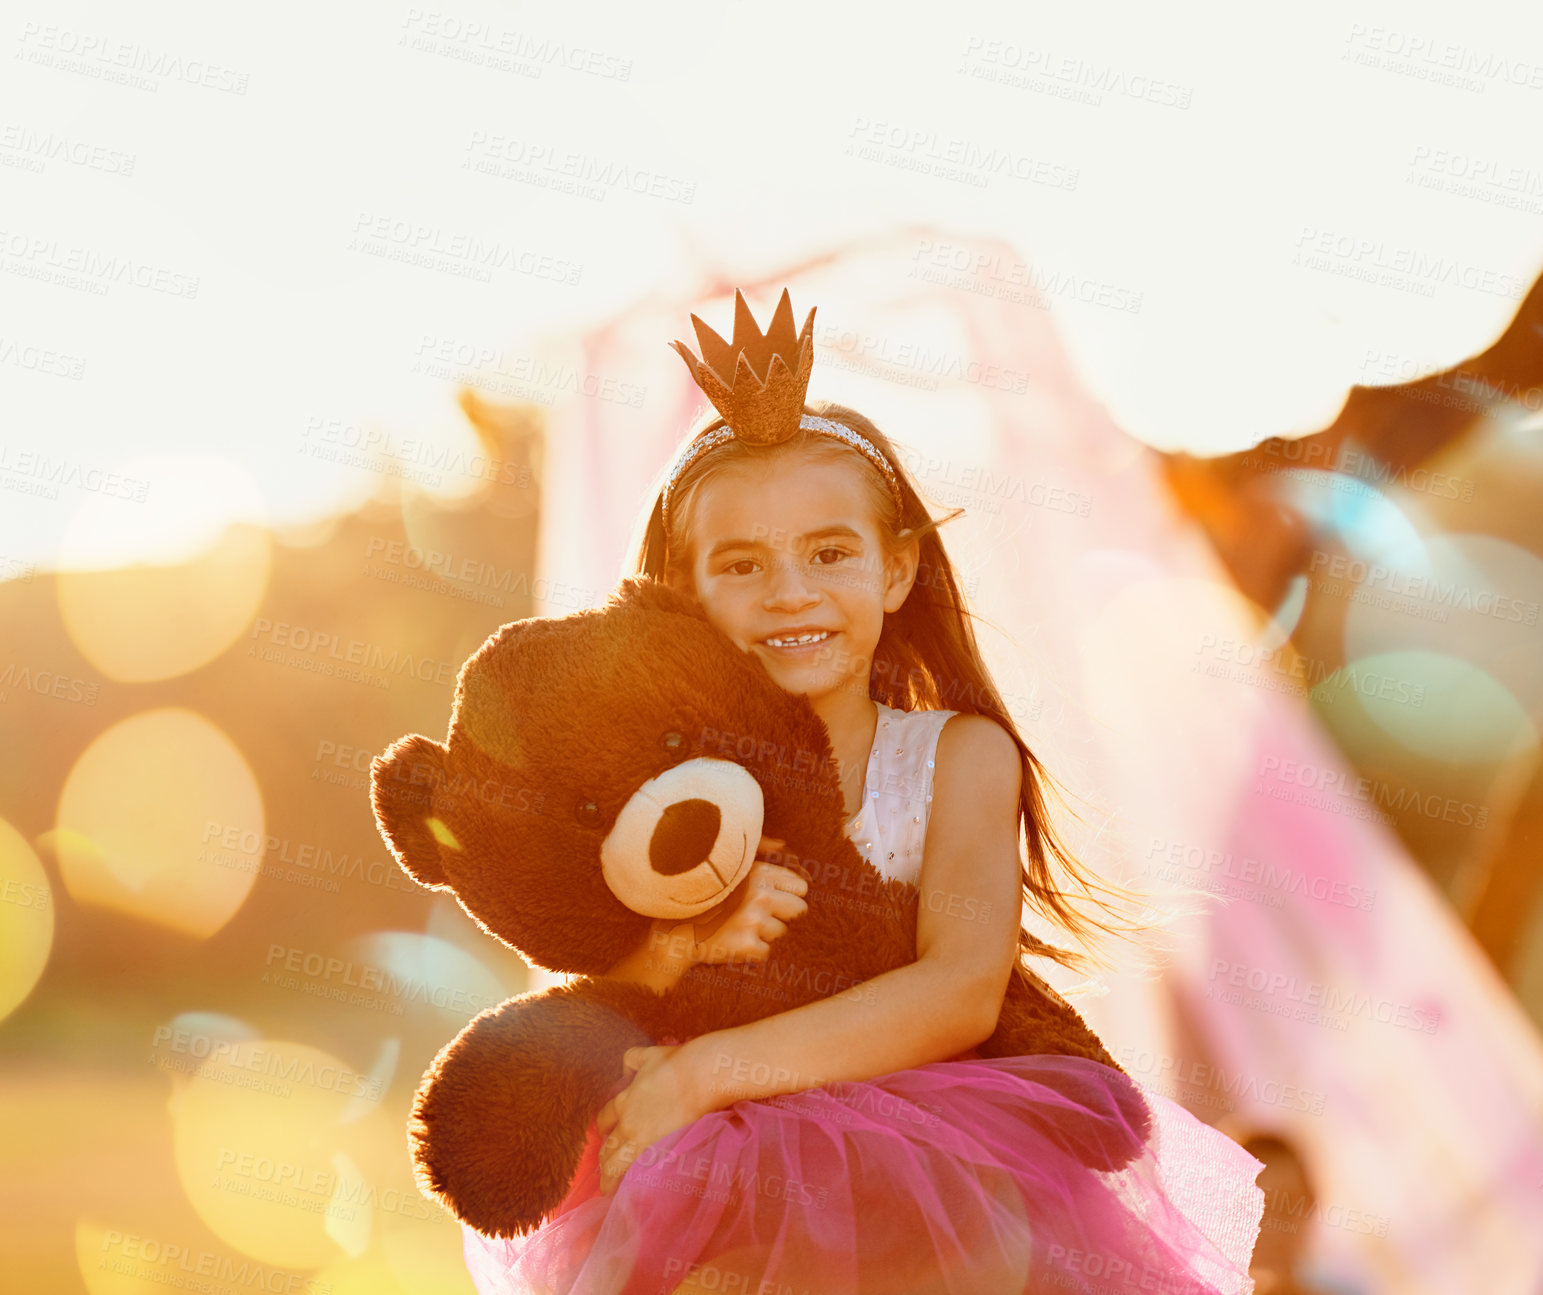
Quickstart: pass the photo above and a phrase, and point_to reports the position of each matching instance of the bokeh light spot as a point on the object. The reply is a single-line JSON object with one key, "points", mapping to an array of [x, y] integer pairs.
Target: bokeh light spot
{"points": [[257, 1138], [142, 623], [1434, 704], [161, 818], [26, 919], [422, 969]]}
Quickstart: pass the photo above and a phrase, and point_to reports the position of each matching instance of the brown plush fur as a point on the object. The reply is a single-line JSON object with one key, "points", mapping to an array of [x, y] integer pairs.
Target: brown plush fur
{"points": [[550, 714]]}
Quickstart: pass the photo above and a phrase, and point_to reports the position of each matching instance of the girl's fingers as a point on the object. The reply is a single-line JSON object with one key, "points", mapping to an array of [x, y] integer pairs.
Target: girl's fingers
{"points": [[786, 879], [787, 906], [770, 929], [606, 1120]]}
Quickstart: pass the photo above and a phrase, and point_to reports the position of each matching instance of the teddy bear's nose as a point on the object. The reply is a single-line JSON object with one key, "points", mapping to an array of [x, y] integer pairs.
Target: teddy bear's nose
{"points": [[683, 836]]}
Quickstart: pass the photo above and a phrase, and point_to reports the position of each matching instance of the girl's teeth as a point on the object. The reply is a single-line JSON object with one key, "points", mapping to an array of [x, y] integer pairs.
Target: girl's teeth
{"points": [[800, 641]]}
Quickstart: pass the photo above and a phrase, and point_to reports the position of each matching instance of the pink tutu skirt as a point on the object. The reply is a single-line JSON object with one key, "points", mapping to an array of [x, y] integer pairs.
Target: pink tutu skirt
{"points": [[964, 1177]]}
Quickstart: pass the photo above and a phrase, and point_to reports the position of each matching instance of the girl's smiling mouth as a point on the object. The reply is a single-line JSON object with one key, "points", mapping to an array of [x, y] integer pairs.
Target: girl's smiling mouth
{"points": [[791, 642]]}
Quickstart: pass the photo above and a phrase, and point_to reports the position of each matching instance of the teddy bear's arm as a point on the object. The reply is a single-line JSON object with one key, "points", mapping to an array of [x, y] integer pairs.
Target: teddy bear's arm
{"points": [[500, 1118]]}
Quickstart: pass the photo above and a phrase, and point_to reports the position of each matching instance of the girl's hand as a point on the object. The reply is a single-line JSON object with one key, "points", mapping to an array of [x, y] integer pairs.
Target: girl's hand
{"points": [[773, 897], [654, 1104]]}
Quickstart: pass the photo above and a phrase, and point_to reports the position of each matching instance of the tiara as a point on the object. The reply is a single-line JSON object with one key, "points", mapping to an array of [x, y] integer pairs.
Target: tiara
{"points": [[763, 402]]}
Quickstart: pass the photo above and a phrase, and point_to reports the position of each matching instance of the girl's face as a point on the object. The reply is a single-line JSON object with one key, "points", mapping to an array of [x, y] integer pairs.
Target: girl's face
{"points": [[787, 560]]}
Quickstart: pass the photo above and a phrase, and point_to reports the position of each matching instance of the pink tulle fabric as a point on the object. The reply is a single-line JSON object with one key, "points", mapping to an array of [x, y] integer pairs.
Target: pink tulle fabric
{"points": [[964, 1177]]}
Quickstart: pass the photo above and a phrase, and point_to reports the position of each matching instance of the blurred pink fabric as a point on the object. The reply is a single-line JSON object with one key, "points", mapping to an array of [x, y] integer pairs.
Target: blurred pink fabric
{"points": [[1364, 1022]]}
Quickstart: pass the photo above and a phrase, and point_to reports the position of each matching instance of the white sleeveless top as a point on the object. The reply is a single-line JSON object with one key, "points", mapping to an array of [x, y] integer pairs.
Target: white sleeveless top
{"points": [[890, 826]]}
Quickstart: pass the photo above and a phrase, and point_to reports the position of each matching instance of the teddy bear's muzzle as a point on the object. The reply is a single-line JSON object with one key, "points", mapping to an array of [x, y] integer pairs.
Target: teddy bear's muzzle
{"points": [[684, 839]]}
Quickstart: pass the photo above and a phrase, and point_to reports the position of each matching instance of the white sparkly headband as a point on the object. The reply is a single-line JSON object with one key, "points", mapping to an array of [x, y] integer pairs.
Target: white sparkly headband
{"points": [[809, 422], [762, 401]]}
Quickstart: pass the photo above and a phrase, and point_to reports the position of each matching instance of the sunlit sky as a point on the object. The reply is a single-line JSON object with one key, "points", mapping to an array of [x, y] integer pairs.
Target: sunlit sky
{"points": [[1233, 215]]}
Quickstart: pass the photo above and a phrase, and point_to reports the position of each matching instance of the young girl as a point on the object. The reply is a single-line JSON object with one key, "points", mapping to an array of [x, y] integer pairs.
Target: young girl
{"points": [[858, 1143]]}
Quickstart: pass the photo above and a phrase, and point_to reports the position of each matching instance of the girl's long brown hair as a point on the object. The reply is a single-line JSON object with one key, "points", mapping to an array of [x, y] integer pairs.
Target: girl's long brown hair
{"points": [[927, 658]]}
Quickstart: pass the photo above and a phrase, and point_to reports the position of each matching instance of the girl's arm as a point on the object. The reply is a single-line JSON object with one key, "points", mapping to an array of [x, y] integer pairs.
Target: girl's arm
{"points": [[940, 1005]]}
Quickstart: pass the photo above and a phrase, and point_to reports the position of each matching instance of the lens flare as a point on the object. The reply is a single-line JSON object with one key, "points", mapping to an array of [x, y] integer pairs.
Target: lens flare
{"points": [[269, 1161], [1432, 703], [421, 969], [202, 523], [1474, 599], [142, 623], [26, 919], [161, 818]]}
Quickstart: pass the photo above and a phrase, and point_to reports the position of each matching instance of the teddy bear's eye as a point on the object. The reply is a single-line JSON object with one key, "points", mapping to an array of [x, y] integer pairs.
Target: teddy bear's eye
{"points": [[673, 743], [588, 813]]}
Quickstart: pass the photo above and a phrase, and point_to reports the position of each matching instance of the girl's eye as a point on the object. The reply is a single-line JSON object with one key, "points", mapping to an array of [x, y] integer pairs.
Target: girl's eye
{"points": [[840, 553]]}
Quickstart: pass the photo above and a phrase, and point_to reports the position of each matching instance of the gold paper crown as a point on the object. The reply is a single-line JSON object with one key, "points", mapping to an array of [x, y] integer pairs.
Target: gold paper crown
{"points": [[758, 382], [763, 403]]}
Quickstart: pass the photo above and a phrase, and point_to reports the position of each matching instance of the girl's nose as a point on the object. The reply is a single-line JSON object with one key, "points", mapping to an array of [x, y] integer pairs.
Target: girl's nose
{"points": [[787, 589]]}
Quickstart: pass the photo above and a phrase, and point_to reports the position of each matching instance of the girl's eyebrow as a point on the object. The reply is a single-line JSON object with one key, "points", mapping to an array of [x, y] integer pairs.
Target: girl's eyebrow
{"points": [[835, 528]]}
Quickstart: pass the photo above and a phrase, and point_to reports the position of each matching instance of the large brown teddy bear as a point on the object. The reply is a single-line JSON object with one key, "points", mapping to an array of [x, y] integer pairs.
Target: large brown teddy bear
{"points": [[604, 769]]}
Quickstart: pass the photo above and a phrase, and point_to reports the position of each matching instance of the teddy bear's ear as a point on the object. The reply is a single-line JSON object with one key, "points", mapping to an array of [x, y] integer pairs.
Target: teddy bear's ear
{"points": [[655, 595], [402, 783]]}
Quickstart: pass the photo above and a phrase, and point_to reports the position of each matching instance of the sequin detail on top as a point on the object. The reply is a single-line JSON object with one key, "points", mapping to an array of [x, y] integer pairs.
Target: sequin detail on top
{"points": [[890, 827]]}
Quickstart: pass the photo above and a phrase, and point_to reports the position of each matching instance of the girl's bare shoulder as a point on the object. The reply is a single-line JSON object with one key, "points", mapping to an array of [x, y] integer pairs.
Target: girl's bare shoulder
{"points": [[977, 759]]}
